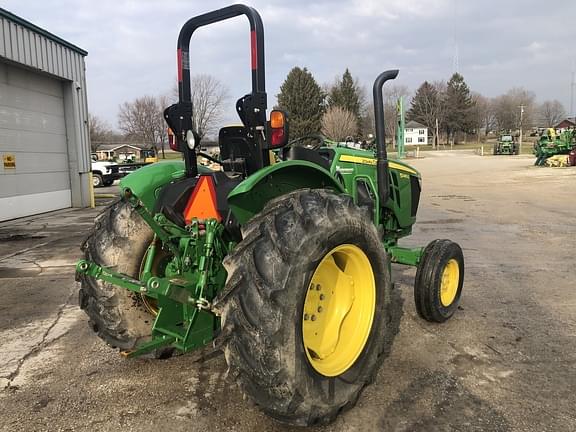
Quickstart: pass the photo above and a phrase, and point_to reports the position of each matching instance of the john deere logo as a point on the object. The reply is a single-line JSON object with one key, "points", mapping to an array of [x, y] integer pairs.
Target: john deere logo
{"points": [[9, 161]]}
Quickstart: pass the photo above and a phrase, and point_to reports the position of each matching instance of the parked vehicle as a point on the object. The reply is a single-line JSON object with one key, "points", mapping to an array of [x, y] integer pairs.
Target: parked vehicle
{"points": [[506, 145], [104, 172]]}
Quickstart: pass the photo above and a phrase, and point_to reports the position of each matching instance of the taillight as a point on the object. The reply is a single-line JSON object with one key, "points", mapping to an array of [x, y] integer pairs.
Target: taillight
{"points": [[277, 119], [277, 138], [172, 141], [277, 129]]}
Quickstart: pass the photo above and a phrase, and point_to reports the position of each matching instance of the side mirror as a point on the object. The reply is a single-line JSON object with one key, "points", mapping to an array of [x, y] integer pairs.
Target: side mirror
{"points": [[277, 133]]}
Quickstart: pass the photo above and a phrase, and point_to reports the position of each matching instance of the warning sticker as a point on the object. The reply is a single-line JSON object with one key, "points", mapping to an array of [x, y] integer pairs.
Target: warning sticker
{"points": [[9, 161], [185, 60]]}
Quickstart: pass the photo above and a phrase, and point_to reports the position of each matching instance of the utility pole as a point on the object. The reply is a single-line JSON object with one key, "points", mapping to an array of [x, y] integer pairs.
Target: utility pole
{"points": [[520, 140], [435, 144], [400, 127], [572, 83]]}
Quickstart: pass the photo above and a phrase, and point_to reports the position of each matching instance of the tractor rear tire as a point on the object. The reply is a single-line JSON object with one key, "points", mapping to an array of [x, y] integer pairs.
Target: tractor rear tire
{"points": [[119, 240], [439, 280], [270, 276]]}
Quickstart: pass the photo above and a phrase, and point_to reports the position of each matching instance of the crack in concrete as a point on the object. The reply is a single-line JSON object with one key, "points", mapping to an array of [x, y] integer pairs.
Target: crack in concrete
{"points": [[20, 252], [25, 250], [33, 262], [42, 344]]}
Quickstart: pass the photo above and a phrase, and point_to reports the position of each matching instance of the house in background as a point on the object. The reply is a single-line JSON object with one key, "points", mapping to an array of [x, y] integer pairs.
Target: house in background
{"points": [[567, 123], [119, 151], [415, 133]]}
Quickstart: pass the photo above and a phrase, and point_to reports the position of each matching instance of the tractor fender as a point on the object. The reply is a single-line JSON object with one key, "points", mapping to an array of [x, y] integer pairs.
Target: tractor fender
{"points": [[146, 182], [249, 197]]}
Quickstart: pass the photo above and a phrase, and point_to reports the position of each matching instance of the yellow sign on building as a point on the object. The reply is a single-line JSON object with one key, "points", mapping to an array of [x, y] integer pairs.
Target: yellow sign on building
{"points": [[9, 161]]}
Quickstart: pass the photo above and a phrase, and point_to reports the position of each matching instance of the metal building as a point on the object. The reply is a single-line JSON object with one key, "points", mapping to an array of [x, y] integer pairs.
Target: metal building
{"points": [[44, 139]]}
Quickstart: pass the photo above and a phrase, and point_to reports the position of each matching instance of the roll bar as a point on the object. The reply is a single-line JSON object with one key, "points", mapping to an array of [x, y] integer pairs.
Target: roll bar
{"points": [[256, 40], [381, 155], [251, 108]]}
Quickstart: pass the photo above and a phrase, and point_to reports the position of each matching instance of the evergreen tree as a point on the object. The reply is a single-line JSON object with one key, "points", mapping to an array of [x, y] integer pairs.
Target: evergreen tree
{"points": [[427, 107], [347, 94], [459, 104], [302, 98]]}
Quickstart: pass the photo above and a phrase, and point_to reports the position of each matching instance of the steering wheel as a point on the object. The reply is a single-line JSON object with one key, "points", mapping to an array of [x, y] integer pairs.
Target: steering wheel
{"points": [[305, 142]]}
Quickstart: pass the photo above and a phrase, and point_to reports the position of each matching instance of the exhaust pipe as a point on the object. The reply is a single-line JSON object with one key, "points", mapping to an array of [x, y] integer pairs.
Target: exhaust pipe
{"points": [[381, 155]]}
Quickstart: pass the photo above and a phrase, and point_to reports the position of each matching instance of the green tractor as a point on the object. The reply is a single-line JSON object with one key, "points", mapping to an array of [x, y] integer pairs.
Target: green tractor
{"points": [[285, 265], [506, 145], [551, 145]]}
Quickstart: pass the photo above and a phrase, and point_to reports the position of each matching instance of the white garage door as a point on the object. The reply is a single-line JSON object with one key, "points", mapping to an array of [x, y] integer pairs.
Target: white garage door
{"points": [[33, 131]]}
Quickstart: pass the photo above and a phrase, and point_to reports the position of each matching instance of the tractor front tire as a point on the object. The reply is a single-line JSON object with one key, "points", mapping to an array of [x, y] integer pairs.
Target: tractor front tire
{"points": [[439, 280], [119, 241], [311, 264]]}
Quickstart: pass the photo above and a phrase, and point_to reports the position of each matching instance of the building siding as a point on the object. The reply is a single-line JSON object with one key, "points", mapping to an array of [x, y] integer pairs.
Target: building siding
{"points": [[29, 48], [45, 126]]}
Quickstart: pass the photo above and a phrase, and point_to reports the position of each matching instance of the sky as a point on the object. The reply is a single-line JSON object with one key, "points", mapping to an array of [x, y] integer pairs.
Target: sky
{"points": [[500, 43]]}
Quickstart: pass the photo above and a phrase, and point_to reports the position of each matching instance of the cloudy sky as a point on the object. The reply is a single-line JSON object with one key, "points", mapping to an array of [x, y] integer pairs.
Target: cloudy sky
{"points": [[501, 43]]}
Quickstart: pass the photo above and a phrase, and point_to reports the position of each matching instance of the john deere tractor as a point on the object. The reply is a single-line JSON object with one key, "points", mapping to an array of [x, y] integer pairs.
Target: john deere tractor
{"points": [[550, 145], [506, 145], [284, 262]]}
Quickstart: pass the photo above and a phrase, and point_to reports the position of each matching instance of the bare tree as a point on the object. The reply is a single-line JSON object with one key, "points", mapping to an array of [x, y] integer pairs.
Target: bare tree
{"points": [[483, 114], [339, 123], [507, 109], [551, 113], [390, 96], [208, 98], [143, 120], [100, 131]]}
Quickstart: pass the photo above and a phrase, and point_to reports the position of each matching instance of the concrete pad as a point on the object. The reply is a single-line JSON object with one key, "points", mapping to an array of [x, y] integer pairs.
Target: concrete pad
{"points": [[505, 362]]}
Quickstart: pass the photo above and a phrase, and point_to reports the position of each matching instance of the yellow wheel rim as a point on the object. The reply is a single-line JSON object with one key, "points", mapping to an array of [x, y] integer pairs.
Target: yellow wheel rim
{"points": [[151, 304], [449, 282], [338, 310]]}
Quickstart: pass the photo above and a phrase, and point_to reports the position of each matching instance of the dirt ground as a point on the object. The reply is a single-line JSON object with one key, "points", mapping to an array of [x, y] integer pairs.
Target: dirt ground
{"points": [[505, 362]]}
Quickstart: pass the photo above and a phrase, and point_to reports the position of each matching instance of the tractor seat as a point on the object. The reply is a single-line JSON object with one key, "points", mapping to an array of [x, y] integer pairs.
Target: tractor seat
{"points": [[238, 152], [303, 153]]}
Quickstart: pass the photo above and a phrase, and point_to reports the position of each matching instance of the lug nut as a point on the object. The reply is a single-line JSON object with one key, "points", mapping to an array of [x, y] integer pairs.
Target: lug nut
{"points": [[313, 318], [321, 296], [319, 309], [318, 287], [305, 317]]}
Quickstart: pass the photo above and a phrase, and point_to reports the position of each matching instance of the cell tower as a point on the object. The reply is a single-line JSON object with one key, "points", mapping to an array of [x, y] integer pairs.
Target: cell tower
{"points": [[455, 60]]}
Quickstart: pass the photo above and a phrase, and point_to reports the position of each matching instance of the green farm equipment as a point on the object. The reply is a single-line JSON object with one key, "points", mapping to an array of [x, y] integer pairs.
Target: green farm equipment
{"points": [[550, 145], [506, 145], [284, 262]]}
